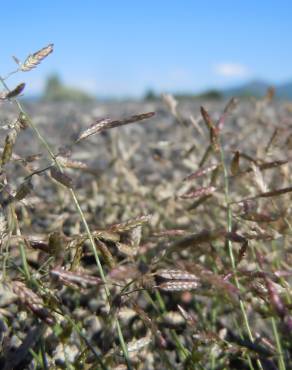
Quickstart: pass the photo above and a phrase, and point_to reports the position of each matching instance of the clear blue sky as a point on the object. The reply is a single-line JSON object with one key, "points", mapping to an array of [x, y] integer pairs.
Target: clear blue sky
{"points": [[124, 47]]}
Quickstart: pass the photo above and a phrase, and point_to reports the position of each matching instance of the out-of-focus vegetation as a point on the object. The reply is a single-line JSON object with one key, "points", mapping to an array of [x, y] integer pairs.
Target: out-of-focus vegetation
{"points": [[55, 90], [213, 94]]}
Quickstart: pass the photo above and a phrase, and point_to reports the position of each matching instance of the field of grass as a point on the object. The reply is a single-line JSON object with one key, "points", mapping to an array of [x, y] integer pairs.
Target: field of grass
{"points": [[151, 235]]}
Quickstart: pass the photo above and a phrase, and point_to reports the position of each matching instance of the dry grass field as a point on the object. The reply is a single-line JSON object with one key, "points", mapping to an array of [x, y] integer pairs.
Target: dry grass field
{"points": [[145, 235]]}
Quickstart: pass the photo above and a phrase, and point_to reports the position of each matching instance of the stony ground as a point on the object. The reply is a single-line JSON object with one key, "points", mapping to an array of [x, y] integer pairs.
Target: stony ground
{"points": [[147, 222]]}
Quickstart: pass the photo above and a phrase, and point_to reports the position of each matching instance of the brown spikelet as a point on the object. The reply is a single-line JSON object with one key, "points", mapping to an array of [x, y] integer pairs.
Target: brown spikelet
{"points": [[32, 301], [23, 190], [175, 280], [105, 124], [260, 217], [105, 252], [70, 163], [199, 192], [56, 246], [61, 177], [268, 194], [130, 224], [213, 130], [263, 166], [207, 119], [77, 278], [170, 233], [13, 93], [9, 144], [169, 274], [227, 110], [34, 59], [23, 120], [242, 251], [177, 286], [234, 166], [201, 172], [37, 243]]}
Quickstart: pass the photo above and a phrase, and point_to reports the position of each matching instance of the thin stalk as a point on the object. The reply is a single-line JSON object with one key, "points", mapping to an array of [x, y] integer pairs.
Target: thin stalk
{"points": [[183, 351], [21, 245], [43, 353], [281, 362], [85, 224], [230, 250]]}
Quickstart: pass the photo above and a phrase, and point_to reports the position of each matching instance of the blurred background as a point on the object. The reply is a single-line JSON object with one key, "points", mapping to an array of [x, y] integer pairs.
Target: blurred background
{"points": [[129, 50]]}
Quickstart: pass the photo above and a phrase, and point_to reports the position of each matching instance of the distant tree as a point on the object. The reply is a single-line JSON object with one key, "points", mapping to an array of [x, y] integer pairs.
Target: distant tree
{"points": [[55, 90], [211, 94], [150, 95]]}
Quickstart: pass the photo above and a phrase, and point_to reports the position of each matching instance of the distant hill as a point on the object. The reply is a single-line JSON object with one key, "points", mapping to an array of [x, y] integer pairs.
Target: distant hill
{"points": [[284, 90], [259, 88]]}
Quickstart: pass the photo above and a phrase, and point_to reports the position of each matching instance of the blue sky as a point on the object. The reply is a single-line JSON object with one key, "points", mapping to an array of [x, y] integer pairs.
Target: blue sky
{"points": [[125, 47]]}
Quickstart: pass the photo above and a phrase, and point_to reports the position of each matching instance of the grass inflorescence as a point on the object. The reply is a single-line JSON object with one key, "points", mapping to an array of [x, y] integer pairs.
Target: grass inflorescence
{"points": [[173, 254]]}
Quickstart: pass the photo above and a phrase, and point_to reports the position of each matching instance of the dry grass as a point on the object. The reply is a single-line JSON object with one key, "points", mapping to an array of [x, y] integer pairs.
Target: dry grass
{"points": [[180, 259]]}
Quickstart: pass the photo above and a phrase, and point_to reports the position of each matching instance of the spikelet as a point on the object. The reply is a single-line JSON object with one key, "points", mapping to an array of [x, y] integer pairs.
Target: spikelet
{"points": [[106, 254], [34, 59], [3, 227], [137, 344], [169, 233], [12, 93], [177, 286], [130, 224], [213, 130], [23, 121], [169, 274], [78, 278], [268, 194], [227, 110], [171, 103], [201, 172], [105, 124], [23, 190], [259, 179], [234, 166], [61, 177], [199, 192], [176, 280], [126, 249], [32, 301], [17, 126], [70, 163], [8, 147], [9, 144]]}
